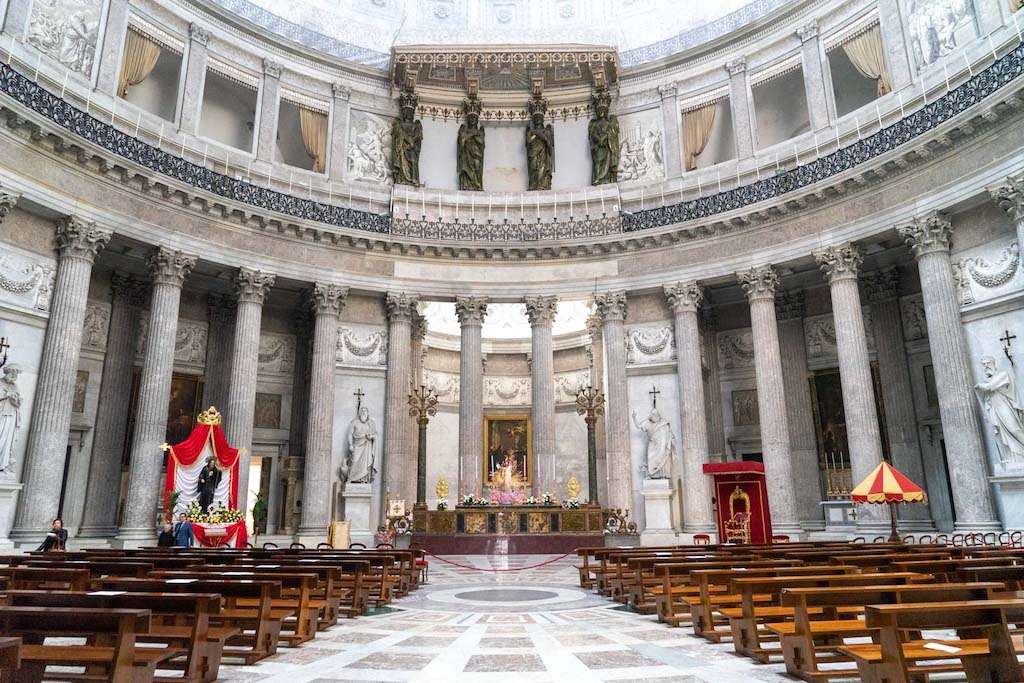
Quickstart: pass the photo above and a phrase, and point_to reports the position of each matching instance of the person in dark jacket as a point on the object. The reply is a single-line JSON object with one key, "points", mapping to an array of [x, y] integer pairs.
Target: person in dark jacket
{"points": [[166, 539], [56, 538], [184, 537]]}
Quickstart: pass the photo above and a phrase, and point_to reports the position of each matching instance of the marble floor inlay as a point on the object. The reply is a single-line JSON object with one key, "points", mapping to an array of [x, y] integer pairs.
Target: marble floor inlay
{"points": [[535, 625]]}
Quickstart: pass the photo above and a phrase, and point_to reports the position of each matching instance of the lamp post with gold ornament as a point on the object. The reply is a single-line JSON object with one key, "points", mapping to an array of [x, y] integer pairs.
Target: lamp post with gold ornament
{"points": [[590, 404], [422, 406]]}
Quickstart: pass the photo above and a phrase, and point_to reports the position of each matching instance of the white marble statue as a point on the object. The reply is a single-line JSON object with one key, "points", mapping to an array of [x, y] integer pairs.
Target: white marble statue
{"points": [[10, 414], [362, 444], [1003, 410], [661, 444]]}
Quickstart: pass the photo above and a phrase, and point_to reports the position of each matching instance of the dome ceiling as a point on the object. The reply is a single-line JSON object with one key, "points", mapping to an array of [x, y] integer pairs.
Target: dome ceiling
{"points": [[366, 30]]}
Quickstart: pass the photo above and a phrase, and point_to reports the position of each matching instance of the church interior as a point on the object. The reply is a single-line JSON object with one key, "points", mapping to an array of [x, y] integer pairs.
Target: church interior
{"points": [[501, 340]]}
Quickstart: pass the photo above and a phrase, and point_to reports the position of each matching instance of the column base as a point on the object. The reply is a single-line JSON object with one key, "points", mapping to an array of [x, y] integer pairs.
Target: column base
{"points": [[311, 536], [134, 538], [659, 537], [872, 529], [791, 529], [108, 532], [977, 527]]}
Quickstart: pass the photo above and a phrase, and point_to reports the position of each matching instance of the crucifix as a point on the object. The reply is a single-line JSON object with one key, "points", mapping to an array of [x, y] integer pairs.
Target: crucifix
{"points": [[653, 393], [1007, 340], [358, 393]]}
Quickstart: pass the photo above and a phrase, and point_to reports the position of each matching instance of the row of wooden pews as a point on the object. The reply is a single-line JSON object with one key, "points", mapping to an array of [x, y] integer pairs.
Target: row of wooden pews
{"points": [[175, 614], [834, 610]]}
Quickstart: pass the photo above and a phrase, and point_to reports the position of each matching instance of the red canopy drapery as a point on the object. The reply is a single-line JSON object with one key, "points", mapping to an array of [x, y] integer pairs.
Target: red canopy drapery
{"points": [[236, 537], [207, 431]]}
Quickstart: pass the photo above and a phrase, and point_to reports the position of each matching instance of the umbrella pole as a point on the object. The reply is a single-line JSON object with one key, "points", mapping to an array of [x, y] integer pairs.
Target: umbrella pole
{"points": [[894, 535]]}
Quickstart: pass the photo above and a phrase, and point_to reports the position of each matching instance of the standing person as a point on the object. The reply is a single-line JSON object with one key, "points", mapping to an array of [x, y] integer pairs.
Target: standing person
{"points": [[166, 539], [183, 534], [56, 539]]}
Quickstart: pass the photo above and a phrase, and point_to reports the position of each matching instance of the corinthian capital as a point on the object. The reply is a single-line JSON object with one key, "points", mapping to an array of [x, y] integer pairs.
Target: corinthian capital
{"points": [[198, 34], [927, 234], [326, 299], [842, 262], [251, 286], [170, 266], [759, 283], [736, 66], [272, 68], [471, 310], [881, 285], [611, 306], [400, 306], [80, 239], [128, 289], [808, 31], [684, 297], [541, 310], [419, 326], [1010, 197], [7, 202], [789, 304]]}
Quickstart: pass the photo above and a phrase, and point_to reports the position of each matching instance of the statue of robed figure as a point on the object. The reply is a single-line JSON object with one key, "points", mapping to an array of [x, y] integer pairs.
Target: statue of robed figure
{"points": [[540, 145], [406, 142], [661, 445], [209, 480], [1003, 410], [604, 141], [471, 147]]}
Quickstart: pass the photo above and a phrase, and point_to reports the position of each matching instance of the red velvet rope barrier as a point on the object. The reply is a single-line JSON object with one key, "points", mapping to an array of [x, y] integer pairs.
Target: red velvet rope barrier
{"points": [[513, 569]]}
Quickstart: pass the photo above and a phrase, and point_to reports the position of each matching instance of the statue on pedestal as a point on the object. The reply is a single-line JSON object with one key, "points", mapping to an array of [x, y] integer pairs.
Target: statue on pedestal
{"points": [[661, 445], [471, 147], [362, 446], [1003, 410], [540, 145], [406, 142], [604, 141], [209, 480], [10, 414]]}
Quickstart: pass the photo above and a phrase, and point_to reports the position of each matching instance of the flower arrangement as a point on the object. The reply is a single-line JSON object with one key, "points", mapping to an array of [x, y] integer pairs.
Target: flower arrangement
{"points": [[482, 501], [216, 515], [469, 499], [547, 498], [383, 535], [571, 504], [513, 497], [442, 504], [532, 500]]}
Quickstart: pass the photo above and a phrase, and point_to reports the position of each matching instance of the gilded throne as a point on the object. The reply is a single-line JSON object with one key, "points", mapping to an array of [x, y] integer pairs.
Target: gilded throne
{"points": [[737, 528]]}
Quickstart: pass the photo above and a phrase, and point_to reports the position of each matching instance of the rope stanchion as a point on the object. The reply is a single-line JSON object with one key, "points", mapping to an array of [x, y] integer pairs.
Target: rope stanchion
{"points": [[511, 569]]}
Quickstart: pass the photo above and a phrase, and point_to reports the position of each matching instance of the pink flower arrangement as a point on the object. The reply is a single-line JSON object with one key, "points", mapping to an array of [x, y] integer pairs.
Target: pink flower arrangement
{"points": [[514, 497]]}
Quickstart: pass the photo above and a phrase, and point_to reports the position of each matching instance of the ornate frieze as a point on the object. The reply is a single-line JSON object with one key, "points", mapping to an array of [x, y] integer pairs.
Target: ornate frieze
{"points": [[506, 232], [96, 325], [276, 354], [650, 345], [915, 325], [362, 346], [26, 282], [568, 384], [974, 275], [444, 384], [507, 391], [735, 349], [189, 341], [369, 148], [820, 335]]}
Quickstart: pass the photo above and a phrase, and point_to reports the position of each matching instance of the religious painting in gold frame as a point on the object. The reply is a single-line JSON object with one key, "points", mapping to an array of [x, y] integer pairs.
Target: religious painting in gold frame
{"points": [[508, 452]]}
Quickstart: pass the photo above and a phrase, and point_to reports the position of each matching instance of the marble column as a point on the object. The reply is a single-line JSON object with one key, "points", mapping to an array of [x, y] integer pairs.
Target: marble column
{"points": [[803, 443], [78, 242], [929, 238], [399, 463], [541, 311], [266, 143], [897, 54], [596, 361], [712, 385], [303, 325], [195, 80], [418, 330], [882, 290], [739, 101], [818, 101], [168, 268], [339, 132], [760, 285], [327, 302], [109, 61], [1010, 196], [612, 309], [220, 340], [251, 287], [103, 487], [685, 300], [471, 312], [841, 266], [671, 123]]}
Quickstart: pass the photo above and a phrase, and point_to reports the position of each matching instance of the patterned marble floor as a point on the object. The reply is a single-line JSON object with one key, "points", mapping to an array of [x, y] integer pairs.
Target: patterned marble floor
{"points": [[534, 625]]}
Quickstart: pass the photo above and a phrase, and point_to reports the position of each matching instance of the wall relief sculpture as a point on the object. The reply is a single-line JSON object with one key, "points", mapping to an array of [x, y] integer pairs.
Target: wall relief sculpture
{"points": [[267, 414], [25, 282], [735, 350], [640, 151], [363, 347], [277, 353], [1003, 411], [937, 26], [507, 391], [189, 342], [661, 445], [66, 30], [369, 145], [914, 324], [977, 271], [649, 345], [10, 414], [444, 384], [820, 335], [81, 387], [568, 384], [97, 323], [745, 411]]}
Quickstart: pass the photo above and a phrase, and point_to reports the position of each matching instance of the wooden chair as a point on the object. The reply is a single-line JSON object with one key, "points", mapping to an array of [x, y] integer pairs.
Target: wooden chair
{"points": [[701, 539], [780, 538]]}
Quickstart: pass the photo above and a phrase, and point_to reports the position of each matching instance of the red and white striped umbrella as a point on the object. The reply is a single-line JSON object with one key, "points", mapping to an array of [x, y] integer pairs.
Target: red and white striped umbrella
{"points": [[886, 484]]}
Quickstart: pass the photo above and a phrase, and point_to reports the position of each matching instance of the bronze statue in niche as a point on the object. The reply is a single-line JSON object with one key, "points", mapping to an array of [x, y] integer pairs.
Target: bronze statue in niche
{"points": [[540, 145], [604, 141], [471, 147]]}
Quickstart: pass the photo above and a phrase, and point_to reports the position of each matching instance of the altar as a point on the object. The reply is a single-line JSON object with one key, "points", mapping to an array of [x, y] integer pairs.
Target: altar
{"points": [[235, 535], [508, 529]]}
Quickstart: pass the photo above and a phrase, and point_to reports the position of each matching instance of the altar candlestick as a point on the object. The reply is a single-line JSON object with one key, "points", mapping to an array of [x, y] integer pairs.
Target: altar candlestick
{"points": [[138, 123], [522, 207], [879, 112], [570, 206], [856, 122], [720, 176]]}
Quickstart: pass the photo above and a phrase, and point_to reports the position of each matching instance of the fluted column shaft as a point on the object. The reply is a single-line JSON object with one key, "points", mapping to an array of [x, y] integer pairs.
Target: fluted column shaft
{"points": [[399, 472], [685, 300], [612, 309], [471, 312], [251, 286], [541, 312], [713, 386], [760, 284], [103, 489], [803, 445], [169, 269], [220, 342], [77, 244], [303, 325], [327, 302], [339, 132], [841, 266], [929, 238]]}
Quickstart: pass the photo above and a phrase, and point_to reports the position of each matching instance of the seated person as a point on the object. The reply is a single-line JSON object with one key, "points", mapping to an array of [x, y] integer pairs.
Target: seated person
{"points": [[166, 539], [56, 538]]}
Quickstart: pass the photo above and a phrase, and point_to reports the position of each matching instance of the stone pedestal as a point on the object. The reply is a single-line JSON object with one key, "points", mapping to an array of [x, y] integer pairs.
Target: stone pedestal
{"points": [[839, 517], [357, 511], [8, 492], [657, 495]]}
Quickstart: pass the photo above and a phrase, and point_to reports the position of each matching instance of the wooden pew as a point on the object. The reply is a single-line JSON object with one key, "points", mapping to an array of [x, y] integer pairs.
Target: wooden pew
{"points": [[808, 643], [984, 653], [109, 651], [43, 578]]}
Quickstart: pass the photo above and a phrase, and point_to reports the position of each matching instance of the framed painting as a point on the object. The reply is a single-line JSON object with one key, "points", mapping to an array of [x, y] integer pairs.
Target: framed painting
{"points": [[830, 414], [508, 452]]}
